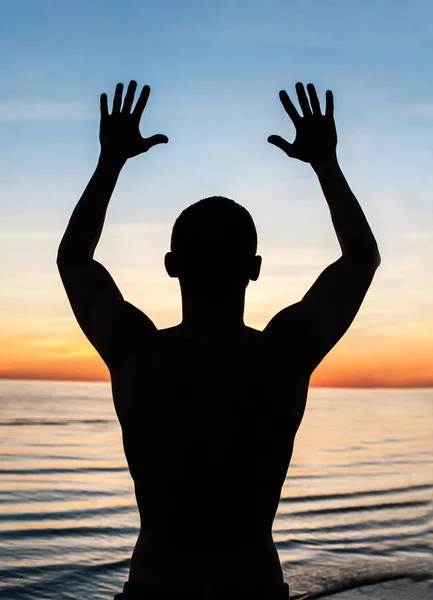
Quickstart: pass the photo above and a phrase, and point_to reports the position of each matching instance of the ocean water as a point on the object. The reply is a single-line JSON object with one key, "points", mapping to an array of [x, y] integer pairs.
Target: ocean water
{"points": [[356, 507]]}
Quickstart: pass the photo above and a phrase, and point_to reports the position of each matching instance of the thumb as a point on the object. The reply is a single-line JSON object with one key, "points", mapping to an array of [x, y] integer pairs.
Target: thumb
{"points": [[153, 140], [281, 143]]}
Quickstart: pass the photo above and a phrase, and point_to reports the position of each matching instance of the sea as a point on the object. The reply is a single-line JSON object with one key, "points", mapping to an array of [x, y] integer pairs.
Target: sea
{"points": [[356, 507]]}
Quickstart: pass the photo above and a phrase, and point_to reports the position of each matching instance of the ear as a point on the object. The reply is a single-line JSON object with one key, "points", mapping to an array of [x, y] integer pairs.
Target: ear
{"points": [[170, 265], [255, 268]]}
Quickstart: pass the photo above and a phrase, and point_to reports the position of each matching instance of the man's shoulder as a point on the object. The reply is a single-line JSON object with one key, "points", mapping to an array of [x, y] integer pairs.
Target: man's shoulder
{"points": [[182, 339], [182, 330], [253, 331]]}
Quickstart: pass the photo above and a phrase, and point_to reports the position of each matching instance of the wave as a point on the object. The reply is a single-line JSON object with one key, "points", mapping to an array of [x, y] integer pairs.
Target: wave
{"points": [[15, 496], [355, 583], [78, 578], [27, 422], [348, 495], [352, 527], [41, 581], [365, 507], [62, 470], [67, 514], [57, 532]]}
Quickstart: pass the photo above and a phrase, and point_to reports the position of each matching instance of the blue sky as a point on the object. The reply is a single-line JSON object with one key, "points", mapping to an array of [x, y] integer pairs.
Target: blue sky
{"points": [[215, 68]]}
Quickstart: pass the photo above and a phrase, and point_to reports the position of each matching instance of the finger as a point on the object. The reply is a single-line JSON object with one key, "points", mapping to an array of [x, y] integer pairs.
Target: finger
{"points": [[281, 143], [303, 100], [129, 96], [117, 102], [154, 140], [329, 111], [141, 102], [104, 105], [289, 107], [315, 104]]}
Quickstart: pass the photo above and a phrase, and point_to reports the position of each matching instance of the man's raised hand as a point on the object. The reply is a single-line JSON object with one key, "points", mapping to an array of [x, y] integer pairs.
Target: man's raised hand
{"points": [[316, 136], [119, 132]]}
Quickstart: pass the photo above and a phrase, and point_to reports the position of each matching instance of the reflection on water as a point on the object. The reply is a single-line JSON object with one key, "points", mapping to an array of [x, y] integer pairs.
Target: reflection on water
{"points": [[357, 501]]}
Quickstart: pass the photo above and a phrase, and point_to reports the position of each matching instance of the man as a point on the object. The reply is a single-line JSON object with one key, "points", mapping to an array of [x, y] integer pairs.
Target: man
{"points": [[209, 408]]}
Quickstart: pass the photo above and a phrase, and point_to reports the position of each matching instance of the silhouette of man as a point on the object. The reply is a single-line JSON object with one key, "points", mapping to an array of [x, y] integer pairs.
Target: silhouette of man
{"points": [[209, 408]]}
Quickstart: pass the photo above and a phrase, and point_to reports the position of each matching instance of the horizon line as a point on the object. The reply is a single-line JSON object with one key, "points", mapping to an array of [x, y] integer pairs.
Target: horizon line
{"points": [[350, 387]]}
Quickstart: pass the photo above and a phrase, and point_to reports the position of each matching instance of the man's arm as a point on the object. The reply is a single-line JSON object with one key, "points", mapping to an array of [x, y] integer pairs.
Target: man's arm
{"points": [[321, 318], [85, 225], [107, 320]]}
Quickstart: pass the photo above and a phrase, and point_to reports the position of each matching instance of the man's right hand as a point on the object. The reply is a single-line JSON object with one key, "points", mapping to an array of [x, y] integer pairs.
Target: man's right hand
{"points": [[316, 136], [119, 133]]}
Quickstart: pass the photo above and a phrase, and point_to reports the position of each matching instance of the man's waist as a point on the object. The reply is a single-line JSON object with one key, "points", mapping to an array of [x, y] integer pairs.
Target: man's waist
{"points": [[205, 541], [240, 591]]}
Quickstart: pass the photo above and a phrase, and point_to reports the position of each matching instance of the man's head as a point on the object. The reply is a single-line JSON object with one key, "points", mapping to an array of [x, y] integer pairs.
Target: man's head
{"points": [[213, 247]]}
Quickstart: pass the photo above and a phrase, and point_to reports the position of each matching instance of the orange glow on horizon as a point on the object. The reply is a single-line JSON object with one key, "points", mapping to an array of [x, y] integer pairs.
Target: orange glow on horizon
{"points": [[350, 364]]}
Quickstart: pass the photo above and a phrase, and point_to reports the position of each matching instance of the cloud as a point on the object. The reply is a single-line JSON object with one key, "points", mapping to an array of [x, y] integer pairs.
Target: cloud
{"points": [[20, 236], [131, 228], [44, 110]]}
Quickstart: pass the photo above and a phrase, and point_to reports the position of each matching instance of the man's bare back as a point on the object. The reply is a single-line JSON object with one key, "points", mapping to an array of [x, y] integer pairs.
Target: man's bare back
{"points": [[209, 409], [208, 428]]}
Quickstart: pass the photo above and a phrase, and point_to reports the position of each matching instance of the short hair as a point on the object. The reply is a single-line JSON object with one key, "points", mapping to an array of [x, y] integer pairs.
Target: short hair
{"points": [[214, 239]]}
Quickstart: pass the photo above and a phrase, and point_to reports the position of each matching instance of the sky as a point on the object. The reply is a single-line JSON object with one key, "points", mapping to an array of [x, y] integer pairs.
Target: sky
{"points": [[215, 68]]}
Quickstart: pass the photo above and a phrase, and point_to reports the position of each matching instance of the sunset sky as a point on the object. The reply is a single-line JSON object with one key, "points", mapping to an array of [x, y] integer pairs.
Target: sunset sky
{"points": [[215, 68]]}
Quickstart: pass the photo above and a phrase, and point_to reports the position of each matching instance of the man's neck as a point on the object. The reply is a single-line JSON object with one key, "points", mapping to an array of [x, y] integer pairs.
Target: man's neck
{"points": [[213, 313]]}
